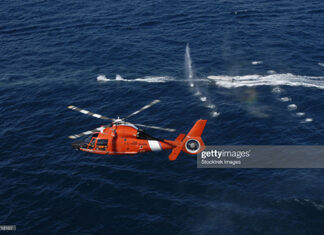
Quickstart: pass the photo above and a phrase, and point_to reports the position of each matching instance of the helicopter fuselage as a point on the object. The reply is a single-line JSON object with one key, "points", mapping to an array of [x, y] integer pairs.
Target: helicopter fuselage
{"points": [[123, 139]]}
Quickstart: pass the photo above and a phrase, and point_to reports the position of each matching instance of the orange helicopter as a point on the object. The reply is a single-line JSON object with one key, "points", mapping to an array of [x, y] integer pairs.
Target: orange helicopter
{"points": [[121, 137]]}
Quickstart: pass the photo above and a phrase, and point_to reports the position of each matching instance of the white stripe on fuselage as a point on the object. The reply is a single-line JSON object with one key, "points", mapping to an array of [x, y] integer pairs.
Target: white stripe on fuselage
{"points": [[155, 145]]}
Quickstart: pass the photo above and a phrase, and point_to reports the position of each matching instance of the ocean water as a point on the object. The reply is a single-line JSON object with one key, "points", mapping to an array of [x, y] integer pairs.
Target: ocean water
{"points": [[258, 78]]}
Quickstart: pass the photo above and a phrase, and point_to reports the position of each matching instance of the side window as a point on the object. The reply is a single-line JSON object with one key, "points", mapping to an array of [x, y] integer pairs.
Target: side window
{"points": [[102, 144]]}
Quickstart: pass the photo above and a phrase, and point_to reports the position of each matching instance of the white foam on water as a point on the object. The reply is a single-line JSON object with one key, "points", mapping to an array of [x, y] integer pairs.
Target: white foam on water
{"points": [[197, 93], [285, 99], [215, 114], [321, 64], [307, 120], [203, 98], [149, 79], [192, 85], [102, 78], [271, 72], [292, 107], [257, 62], [155, 79], [287, 79], [276, 90], [272, 79], [211, 106], [119, 78]]}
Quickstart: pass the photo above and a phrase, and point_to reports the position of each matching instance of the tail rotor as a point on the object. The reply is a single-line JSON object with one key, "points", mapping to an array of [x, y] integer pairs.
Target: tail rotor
{"points": [[192, 143]]}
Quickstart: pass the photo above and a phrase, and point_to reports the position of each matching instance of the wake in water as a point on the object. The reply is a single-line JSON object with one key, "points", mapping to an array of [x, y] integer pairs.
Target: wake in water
{"points": [[148, 79], [189, 73], [272, 80], [287, 79], [102, 78]]}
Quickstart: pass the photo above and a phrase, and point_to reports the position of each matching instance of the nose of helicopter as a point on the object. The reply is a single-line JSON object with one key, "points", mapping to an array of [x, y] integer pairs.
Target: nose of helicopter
{"points": [[78, 144]]}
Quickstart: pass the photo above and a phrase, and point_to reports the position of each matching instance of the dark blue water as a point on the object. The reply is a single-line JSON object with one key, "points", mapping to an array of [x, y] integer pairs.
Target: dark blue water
{"points": [[51, 53]]}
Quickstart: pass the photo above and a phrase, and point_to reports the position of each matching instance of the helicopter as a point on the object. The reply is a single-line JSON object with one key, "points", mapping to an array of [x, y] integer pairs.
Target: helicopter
{"points": [[124, 138]]}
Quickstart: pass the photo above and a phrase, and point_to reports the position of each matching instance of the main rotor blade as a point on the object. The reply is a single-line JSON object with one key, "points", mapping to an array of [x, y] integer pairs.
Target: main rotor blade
{"points": [[156, 127], [142, 109], [88, 132], [89, 113]]}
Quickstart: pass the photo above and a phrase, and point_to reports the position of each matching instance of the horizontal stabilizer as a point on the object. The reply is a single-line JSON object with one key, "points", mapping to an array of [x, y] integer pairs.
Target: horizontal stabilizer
{"points": [[175, 152], [180, 137], [190, 143]]}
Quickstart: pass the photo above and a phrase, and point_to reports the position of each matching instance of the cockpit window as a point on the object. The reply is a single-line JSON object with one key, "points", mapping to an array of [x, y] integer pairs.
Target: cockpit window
{"points": [[102, 144], [87, 140], [92, 142]]}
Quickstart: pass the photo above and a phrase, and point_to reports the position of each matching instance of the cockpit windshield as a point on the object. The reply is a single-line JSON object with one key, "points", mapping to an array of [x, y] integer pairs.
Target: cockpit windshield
{"points": [[88, 139], [93, 142]]}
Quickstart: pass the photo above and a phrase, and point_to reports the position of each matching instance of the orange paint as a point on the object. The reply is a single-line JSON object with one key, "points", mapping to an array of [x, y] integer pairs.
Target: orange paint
{"points": [[125, 139]]}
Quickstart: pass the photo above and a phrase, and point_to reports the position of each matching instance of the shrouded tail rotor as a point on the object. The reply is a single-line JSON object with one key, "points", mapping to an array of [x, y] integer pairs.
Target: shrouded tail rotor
{"points": [[192, 142]]}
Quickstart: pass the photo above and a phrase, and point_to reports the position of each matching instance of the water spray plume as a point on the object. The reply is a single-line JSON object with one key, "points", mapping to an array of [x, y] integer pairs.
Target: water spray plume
{"points": [[194, 85]]}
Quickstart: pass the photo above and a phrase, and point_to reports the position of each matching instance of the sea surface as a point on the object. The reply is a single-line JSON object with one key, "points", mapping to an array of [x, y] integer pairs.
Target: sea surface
{"points": [[258, 78]]}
